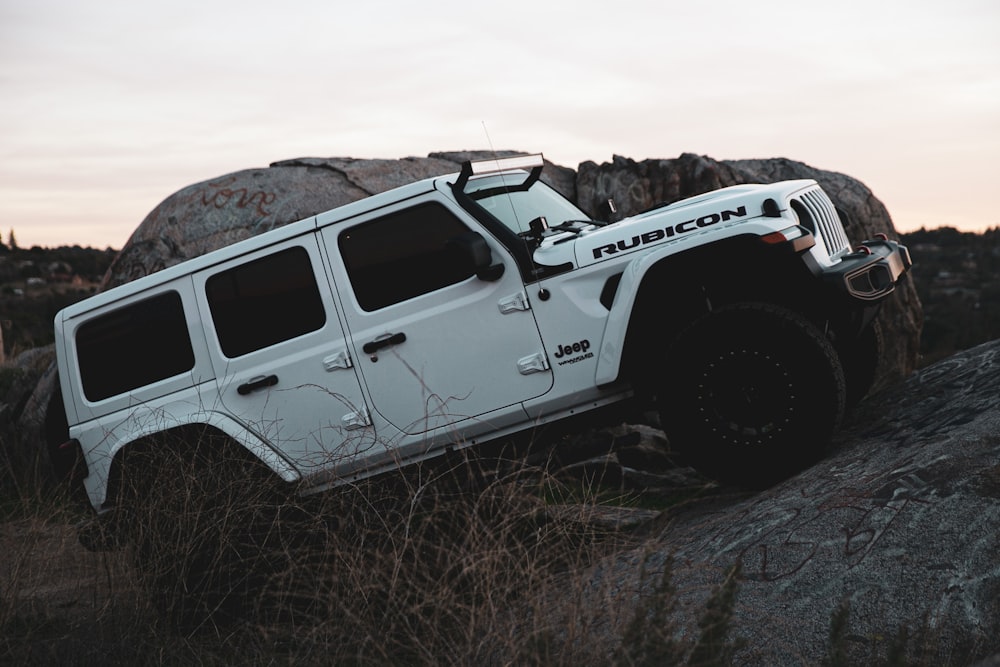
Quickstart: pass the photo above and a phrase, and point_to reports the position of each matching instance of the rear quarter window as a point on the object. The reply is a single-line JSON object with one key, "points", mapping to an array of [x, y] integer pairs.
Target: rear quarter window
{"points": [[134, 346]]}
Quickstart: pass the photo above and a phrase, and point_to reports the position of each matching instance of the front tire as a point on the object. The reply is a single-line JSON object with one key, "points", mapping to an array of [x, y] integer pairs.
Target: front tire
{"points": [[751, 393], [860, 359]]}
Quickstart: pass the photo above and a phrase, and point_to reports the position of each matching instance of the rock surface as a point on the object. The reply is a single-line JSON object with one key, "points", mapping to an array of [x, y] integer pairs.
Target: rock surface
{"points": [[900, 522], [26, 383]]}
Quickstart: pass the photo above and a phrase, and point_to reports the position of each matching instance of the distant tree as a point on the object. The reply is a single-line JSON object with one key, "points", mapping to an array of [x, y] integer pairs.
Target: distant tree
{"points": [[11, 240]]}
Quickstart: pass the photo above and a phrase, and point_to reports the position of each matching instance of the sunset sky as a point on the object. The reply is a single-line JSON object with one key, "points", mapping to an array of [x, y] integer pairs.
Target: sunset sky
{"points": [[109, 106]]}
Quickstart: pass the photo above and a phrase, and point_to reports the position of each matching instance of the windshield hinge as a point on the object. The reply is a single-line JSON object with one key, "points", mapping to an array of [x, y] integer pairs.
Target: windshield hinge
{"points": [[514, 303]]}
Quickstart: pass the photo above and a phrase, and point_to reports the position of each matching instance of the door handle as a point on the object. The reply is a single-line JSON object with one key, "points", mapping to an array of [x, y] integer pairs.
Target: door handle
{"points": [[387, 340], [260, 382]]}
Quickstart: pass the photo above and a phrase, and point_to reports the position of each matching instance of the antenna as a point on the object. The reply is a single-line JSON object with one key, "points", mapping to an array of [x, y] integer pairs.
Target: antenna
{"points": [[489, 140], [503, 177]]}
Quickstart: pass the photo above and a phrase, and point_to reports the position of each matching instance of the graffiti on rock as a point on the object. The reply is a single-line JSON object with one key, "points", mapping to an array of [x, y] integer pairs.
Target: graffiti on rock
{"points": [[219, 195]]}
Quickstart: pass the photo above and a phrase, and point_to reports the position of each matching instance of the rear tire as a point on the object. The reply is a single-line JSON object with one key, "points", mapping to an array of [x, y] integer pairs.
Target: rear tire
{"points": [[751, 393], [203, 521]]}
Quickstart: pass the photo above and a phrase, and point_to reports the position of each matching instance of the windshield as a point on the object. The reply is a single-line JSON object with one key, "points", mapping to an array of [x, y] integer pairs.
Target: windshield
{"points": [[515, 208]]}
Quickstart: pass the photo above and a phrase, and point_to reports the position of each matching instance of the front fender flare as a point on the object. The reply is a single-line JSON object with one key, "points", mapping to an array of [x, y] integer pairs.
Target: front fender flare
{"points": [[609, 361], [613, 342]]}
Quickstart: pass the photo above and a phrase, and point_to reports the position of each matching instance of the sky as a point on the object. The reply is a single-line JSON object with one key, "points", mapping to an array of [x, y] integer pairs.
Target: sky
{"points": [[109, 106]]}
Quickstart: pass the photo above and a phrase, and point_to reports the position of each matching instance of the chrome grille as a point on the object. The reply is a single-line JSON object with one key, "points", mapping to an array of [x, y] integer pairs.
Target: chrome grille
{"points": [[823, 220]]}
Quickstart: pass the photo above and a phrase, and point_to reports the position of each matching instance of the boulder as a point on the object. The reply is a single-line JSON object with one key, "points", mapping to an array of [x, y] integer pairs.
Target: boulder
{"points": [[221, 211], [27, 381]]}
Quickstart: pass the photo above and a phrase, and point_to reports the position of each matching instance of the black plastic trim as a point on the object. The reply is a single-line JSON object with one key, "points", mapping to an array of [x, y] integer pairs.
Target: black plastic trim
{"points": [[609, 290], [872, 273], [380, 343]]}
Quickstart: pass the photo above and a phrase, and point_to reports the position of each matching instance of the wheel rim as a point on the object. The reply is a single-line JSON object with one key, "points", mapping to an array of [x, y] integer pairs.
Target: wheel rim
{"points": [[751, 393], [746, 396]]}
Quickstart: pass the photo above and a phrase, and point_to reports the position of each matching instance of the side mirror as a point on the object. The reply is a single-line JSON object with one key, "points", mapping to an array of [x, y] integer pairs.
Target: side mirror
{"points": [[536, 230], [472, 250]]}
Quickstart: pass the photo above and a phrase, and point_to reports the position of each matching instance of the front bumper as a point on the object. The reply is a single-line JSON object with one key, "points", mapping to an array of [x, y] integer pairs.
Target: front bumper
{"points": [[871, 272]]}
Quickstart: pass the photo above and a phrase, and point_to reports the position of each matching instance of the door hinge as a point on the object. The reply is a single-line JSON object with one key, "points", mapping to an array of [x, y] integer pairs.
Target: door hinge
{"points": [[535, 363], [514, 303], [352, 421], [337, 361]]}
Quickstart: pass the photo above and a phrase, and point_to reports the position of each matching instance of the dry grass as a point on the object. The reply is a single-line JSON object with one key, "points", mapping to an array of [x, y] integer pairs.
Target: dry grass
{"points": [[455, 563]]}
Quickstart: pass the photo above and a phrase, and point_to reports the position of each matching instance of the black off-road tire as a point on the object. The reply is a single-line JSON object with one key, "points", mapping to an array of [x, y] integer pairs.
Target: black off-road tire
{"points": [[751, 393], [205, 532], [860, 359]]}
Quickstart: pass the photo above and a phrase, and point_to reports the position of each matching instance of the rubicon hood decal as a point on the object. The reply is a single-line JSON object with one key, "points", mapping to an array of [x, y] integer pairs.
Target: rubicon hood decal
{"points": [[668, 231]]}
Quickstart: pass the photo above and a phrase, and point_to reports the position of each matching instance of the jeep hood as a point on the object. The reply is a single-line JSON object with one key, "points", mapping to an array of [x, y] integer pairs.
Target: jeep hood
{"points": [[734, 210]]}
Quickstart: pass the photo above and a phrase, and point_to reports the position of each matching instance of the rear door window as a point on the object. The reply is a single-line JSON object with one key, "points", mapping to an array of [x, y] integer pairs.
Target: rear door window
{"points": [[265, 301]]}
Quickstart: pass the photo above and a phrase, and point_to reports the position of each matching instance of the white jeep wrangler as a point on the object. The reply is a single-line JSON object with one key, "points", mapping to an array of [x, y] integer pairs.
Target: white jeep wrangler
{"points": [[470, 307]]}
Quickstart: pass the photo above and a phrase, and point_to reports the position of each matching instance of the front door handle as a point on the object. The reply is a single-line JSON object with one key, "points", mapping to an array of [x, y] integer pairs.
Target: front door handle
{"points": [[259, 382], [387, 340]]}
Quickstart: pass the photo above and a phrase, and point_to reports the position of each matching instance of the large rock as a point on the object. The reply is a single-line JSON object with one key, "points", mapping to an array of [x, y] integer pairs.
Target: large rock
{"points": [[214, 213], [26, 383], [899, 522], [220, 211]]}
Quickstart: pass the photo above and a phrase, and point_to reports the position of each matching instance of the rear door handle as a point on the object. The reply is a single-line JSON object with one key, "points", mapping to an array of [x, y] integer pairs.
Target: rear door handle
{"points": [[259, 382], [387, 340]]}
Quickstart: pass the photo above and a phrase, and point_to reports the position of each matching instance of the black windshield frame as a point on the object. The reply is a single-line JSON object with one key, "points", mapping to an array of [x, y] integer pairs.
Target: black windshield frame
{"points": [[520, 246]]}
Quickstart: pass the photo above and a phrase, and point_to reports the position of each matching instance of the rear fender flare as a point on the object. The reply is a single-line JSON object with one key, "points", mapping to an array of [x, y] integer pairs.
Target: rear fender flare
{"points": [[96, 482]]}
